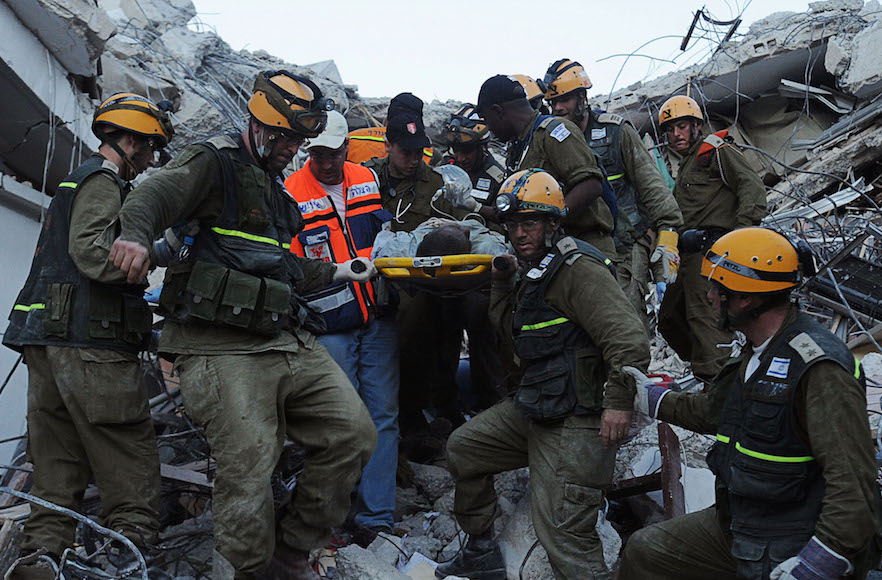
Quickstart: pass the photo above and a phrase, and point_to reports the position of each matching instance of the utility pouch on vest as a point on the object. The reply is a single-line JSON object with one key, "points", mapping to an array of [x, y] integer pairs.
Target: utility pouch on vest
{"points": [[250, 183], [137, 320], [239, 299], [105, 313], [545, 392], [759, 479], [57, 312], [273, 308], [173, 287], [204, 286]]}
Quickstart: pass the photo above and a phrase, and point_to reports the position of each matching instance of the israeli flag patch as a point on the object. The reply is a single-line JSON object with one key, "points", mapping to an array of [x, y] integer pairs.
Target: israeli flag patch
{"points": [[535, 273], [598, 133], [779, 368], [560, 132], [546, 260]]}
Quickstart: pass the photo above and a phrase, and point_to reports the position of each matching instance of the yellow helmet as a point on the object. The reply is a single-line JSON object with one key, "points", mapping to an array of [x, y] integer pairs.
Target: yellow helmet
{"points": [[753, 261], [465, 127], [534, 88], [289, 102], [677, 107], [565, 76], [531, 191], [135, 114]]}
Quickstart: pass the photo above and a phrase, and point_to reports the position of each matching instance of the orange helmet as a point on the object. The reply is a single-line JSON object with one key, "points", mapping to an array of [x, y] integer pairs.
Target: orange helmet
{"points": [[289, 102], [531, 191], [464, 127], [534, 88], [753, 261], [565, 76], [135, 114], [678, 107]]}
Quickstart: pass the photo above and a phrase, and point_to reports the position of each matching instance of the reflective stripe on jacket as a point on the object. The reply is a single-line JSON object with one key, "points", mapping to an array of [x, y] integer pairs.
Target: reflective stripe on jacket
{"points": [[324, 237]]}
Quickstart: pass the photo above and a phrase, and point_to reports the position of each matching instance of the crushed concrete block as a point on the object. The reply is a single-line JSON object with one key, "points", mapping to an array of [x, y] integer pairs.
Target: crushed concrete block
{"points": [[158, 15], [444, 504], [409, 501], [453, 547], [426, 545], [189, 48], [412, 525], [838, 56], [863, 78], [431, 481], [834, 5], [443, 527], [388, 548], [356, 563]]}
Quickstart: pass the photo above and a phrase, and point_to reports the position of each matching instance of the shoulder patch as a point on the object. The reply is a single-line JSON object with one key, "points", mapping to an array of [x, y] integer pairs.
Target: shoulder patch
{"points": [[572, 259], [560, 132], [495, 173], [714, 141], [806, 347], [610, 118], [223, 142], [546, 122], [566, 244], [536, 273]]}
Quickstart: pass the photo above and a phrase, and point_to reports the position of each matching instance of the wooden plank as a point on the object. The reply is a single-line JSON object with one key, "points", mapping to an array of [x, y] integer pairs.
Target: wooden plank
{"points": [[672, 487], [635, 486], [185, 475], [17, 482]]}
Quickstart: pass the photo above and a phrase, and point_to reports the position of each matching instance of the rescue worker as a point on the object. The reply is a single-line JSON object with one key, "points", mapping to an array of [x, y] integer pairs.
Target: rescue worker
{"points": [[343, 213], [429, 338], [794, 461], [535, 90], [555, 145], [644, 201], [468, 137], [80, 326], [717, 191], [242, 338], [573, 331]]}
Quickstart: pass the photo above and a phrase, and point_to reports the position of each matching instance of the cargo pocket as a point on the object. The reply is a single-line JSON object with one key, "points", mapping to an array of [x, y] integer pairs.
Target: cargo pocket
{"points": [[763, 420], [767, 481], [239, 299], [577, 512], [105, 314], [204, 288], [750, 553], [544, 393], [173, 287], [272, 315], [112, 392], [137, 320], [56, 314]]}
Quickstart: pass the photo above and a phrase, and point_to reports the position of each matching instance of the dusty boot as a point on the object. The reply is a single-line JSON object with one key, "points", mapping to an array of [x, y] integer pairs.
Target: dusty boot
{"points": [[480, 559], [290, 564]]}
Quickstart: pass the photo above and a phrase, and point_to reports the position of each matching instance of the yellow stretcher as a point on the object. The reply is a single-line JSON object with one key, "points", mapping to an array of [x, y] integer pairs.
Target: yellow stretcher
{"points": [[458, 273]]}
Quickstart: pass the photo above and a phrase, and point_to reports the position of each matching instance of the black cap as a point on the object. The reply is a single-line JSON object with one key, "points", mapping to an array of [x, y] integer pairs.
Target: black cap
{"points": [[406, 129], [499, 89], [404, 102]]}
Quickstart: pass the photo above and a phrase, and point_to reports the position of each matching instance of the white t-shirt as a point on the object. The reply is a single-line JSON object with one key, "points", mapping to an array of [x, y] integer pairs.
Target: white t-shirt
{"points": [[753, 363], [335, 192]]}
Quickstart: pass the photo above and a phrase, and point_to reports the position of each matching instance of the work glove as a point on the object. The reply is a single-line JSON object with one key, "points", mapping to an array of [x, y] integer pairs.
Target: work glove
{"points": [[814, 562], [457, 188], [649, 393], [355, 270], [660, 290], [667, 254]]}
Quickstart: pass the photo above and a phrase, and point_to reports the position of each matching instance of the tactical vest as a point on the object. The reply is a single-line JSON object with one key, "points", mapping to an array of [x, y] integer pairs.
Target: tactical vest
{"points": [[775, 486], [241, 268], [486, 181], [564, 370], [604, 136], [346, 304], [60, 306]]}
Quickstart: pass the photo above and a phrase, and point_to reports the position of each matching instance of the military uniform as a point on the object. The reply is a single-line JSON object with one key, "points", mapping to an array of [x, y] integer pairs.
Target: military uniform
{"points": [[80, 328], [717, 191], [486, 180], [558, 146], [239, 333], [409, 200], [643, 198], [572, 354], [793, 459]]}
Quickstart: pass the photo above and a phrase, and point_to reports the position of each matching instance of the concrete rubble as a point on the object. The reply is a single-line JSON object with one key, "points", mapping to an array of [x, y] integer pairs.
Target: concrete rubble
{"points": [[799, 90]]}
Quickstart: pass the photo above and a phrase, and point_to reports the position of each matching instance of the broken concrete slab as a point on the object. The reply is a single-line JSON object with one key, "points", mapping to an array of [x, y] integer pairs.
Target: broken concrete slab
{"points": [[356, 563]]}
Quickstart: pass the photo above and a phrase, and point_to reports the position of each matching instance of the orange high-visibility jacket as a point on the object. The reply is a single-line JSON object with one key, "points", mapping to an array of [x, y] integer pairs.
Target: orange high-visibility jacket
{"points": [[367, 143], [343, 305]]}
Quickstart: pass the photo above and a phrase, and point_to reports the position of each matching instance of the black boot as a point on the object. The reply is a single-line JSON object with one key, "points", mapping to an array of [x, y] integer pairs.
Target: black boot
{"points": [[480, 559]]}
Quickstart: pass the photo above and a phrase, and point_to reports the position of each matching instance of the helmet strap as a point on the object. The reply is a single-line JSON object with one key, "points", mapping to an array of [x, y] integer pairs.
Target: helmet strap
{"points": [[125, 158], [581, 107], [259, 153]]}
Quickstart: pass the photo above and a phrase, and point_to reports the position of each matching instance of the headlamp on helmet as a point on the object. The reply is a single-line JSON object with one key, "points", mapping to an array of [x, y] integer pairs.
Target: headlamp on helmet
{"points": [[531, 191]]}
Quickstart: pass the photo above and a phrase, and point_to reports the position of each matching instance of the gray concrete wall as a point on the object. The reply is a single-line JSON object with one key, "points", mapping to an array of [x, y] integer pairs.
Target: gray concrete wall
{"points": [[19, 230]]}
